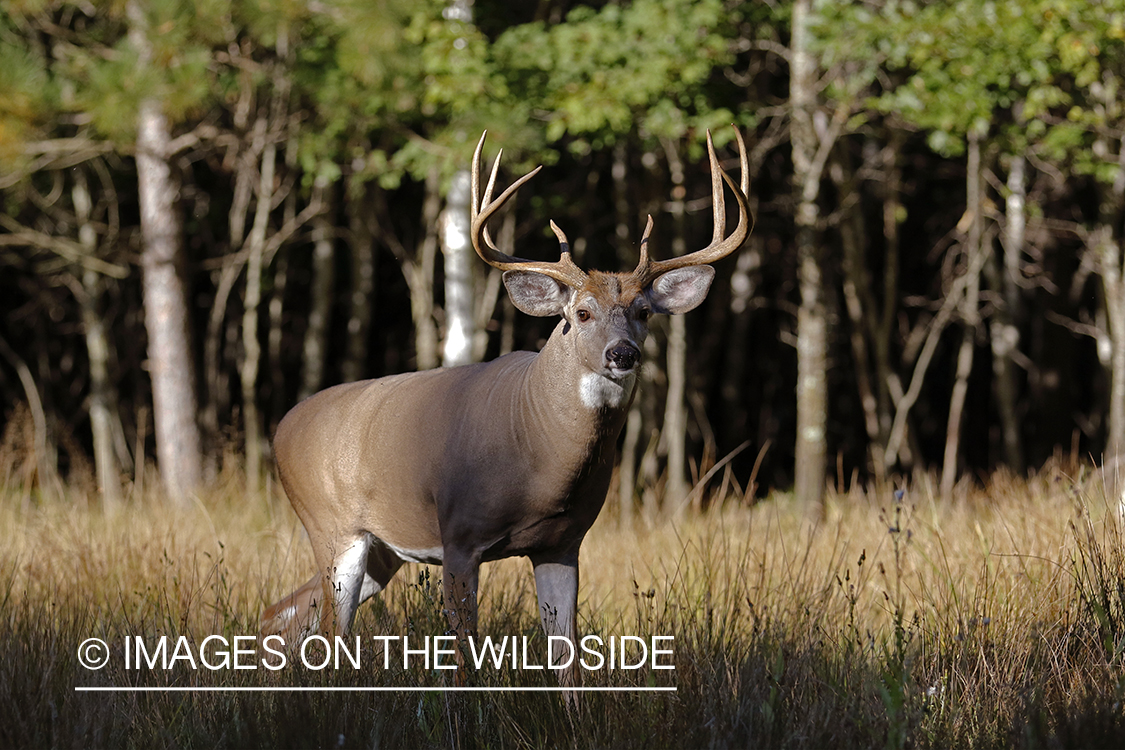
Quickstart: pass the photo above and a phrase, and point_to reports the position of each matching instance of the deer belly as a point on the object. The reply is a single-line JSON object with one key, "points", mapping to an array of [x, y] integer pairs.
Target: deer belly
{"points": [[430, 556], [561, 531]]}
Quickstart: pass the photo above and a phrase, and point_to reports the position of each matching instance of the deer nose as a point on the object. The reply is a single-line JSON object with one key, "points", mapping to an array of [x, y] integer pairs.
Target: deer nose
{"points": [[623, 356]]}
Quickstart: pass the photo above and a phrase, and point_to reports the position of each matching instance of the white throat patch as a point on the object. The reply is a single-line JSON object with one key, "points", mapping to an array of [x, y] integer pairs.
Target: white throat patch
{"points": [[598, 391]]}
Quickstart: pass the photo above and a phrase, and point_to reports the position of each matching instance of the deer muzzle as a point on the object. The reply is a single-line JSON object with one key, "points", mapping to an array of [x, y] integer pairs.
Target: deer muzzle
{"points": [[622, 357]]}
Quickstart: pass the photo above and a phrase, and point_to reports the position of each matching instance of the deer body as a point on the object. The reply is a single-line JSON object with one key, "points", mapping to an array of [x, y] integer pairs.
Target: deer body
{"points": [[459, 466], [502, 466]]}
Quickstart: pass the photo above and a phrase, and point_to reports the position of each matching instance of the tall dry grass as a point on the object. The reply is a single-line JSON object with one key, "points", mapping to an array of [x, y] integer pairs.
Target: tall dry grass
{"points": [[884, 619]]}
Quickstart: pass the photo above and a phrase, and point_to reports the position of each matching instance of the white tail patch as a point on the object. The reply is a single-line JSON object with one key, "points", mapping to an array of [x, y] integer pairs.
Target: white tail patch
{"points": [[598, 391]]}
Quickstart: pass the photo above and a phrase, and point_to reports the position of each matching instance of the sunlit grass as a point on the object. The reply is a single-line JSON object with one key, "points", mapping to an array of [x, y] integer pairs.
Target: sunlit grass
{"points": [[883, 619]]}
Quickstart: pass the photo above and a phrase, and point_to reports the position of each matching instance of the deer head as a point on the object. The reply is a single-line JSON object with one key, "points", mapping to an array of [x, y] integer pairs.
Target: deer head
{"points": [[606, 314]]}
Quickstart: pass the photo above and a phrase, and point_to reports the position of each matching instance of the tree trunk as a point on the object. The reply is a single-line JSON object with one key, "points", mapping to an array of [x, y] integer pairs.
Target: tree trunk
{"points": [[970, 316], [251, 348], [165, 300], [1108, 259], [674, 434], [890, 387], [675, 414], [627, 465], [278, 402], [744, 282], [488, 295], [1004, 335], [458, 254], [246, 159], [97, 346], [622, 209], [320, 303], [1108, 255], [812, 318], [361, 304], [46, 462], [419, 273], [858, 302]]}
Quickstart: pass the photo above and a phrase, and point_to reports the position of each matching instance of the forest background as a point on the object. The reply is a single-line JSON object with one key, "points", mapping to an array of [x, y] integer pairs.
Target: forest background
{"points": [[213, 209]]}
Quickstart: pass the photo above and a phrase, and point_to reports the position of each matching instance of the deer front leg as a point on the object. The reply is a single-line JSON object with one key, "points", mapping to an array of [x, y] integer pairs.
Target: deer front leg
{"points": [[460, 574], [556, 586]]}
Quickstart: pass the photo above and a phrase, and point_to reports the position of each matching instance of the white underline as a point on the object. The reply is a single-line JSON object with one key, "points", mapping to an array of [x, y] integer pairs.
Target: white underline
{"points": [[366, 689]]}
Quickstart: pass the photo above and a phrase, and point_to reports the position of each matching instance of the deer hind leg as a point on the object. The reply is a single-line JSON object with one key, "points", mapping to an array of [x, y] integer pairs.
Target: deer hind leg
{"points": [[382, 564], [299, 614], [343, 583], [338, 583], [296, 615]]}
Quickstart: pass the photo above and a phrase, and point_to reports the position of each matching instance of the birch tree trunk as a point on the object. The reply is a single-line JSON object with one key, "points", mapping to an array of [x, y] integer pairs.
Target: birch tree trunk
{"points": [[1108, 261], [1107, 253], [458, 254], [812, 319], [97, 347], [165, 300], [1004, 336], [970, 317], [674, 434]]}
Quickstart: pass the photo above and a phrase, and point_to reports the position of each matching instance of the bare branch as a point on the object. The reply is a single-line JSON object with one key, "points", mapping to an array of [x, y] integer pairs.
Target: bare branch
{"points": [[21, 236], [60, 153], [839, 119], [1075, 326], [203, 132], [904, 404], [763, 45]]}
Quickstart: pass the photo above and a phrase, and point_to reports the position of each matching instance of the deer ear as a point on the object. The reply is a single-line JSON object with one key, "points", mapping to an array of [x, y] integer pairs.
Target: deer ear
{"points": [[535, 294], [681, 289]]}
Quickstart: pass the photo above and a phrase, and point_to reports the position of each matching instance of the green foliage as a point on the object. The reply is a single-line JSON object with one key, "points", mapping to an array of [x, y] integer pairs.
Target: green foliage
{"points": [[25, 91], [605, 73], [1031, 73]]}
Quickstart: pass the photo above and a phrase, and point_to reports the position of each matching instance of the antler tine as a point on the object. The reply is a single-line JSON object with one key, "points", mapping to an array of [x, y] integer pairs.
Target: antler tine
{"points": [[484, 207], [720, 247], [743, 167], [718, 200], [644, 243], [487, 198]]}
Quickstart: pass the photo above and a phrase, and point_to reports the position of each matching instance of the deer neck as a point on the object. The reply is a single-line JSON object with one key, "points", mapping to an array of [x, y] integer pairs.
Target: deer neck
{"points": [[566, 398]]}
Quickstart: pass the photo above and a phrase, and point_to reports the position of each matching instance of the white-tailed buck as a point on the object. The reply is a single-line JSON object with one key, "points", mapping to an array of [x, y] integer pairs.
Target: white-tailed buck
{"points": [[459, 466]]}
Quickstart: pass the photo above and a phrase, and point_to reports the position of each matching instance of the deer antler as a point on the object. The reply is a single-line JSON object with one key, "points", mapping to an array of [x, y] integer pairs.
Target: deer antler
{"points": [[563, 270], [648, 269]]}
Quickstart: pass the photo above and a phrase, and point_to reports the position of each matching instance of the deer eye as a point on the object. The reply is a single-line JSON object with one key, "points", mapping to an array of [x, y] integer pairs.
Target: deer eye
{"points": [[583, 315], [643, 313]]}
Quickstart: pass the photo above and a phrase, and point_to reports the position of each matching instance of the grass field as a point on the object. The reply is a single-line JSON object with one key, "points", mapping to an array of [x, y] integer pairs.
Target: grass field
{"points": [[883, 619]]}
